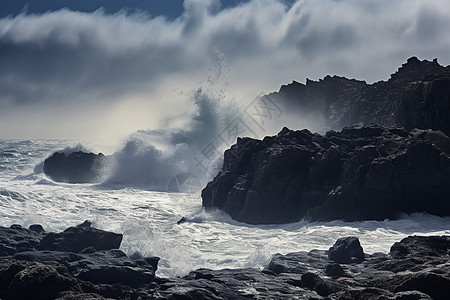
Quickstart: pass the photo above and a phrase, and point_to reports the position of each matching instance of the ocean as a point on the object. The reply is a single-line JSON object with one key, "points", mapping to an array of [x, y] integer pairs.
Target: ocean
{"points": [[148, 219]]}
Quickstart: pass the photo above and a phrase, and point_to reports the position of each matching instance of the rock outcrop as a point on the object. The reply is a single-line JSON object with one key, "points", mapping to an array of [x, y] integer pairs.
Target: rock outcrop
{"points": [[417, 267], [80, 263], [77, 167], [360, 173], [416, 96]]}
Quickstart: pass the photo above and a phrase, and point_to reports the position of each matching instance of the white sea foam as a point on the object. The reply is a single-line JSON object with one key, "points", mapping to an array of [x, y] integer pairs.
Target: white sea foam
{"points": [[148, 220]]}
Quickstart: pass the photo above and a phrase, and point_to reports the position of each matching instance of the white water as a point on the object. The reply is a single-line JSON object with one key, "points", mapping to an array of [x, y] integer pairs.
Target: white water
{"points": [[148, 219]]}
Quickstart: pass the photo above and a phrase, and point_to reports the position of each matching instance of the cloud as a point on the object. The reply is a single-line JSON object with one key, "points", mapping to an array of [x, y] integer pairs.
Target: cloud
{"points": [[73, 62]]}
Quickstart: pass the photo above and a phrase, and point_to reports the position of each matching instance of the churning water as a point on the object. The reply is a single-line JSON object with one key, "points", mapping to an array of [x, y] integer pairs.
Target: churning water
{"points": [[148, 219]]}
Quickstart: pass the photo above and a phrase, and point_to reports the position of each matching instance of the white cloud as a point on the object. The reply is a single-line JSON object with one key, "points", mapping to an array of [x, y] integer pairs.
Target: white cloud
{"points": [[98, 62]]}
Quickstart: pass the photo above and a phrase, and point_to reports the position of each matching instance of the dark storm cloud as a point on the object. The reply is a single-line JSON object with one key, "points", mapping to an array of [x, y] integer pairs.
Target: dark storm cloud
{"points": [[65, 56], [62, 54], [171, 9]]}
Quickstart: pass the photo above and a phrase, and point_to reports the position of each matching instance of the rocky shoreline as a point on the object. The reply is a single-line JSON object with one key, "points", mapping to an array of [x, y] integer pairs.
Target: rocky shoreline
{"points": [[83, 262]]}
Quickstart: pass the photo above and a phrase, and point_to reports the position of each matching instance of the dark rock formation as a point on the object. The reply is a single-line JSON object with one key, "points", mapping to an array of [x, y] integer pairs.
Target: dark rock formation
{"points": [[416, 268], [77, 167], [304, 275], [416, 96], [75, 239], [414, 246], [80, 263], [360, 173], [346, 250]]}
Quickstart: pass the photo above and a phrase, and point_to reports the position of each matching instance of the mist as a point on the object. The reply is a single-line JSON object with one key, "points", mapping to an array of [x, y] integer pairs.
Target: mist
{"points": [[101, 77]]}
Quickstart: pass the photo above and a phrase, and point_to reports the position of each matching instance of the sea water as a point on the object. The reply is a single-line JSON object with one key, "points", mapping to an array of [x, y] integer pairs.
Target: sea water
{"points": [[148, 219]]}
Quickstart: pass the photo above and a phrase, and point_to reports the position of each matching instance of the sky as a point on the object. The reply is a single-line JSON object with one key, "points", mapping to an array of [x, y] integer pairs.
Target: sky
{"points": [[101, 70]]}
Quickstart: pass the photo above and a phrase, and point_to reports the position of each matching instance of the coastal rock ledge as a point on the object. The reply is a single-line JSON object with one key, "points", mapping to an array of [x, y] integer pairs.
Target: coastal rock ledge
{"points": [[35, 264], [360, 173]]}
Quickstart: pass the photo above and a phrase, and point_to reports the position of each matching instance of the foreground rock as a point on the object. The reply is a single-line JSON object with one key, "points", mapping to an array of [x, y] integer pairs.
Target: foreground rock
{"points": [[360, 173], [80, 263], [417, 95], [77, 167], [423, 273], [415, 268]]}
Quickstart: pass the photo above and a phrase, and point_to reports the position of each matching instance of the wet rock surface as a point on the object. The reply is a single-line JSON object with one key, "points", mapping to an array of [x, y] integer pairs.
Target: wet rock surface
{"points": [[417, 267], [359, 173], [81, 262]]}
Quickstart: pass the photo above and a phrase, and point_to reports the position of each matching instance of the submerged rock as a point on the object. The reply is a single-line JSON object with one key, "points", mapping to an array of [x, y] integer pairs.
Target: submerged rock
{"points": [[360, 173], [77, 167]]}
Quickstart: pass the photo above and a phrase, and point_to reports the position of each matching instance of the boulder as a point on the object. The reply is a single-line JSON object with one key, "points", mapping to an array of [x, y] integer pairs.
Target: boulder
{"points": [[76, 167], [75, 239], [346, 250]]}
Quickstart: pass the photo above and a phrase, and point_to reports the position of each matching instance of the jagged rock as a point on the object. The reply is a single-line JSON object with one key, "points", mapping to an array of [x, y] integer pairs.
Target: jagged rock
{"points": [[414, 246], [416, 95], [298, 262], [77, 167], [39, 282], [75, 239], [112, 266], [18, 239], [34, 273], [423, 273], [236, 284], [360, 173], [346, 250], [29, 280], [426, 104]]}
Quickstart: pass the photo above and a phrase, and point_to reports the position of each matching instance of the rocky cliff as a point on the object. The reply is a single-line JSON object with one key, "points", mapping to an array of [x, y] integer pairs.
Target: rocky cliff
{"points": [[359, 173], [374, 170], [415, 96]]}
